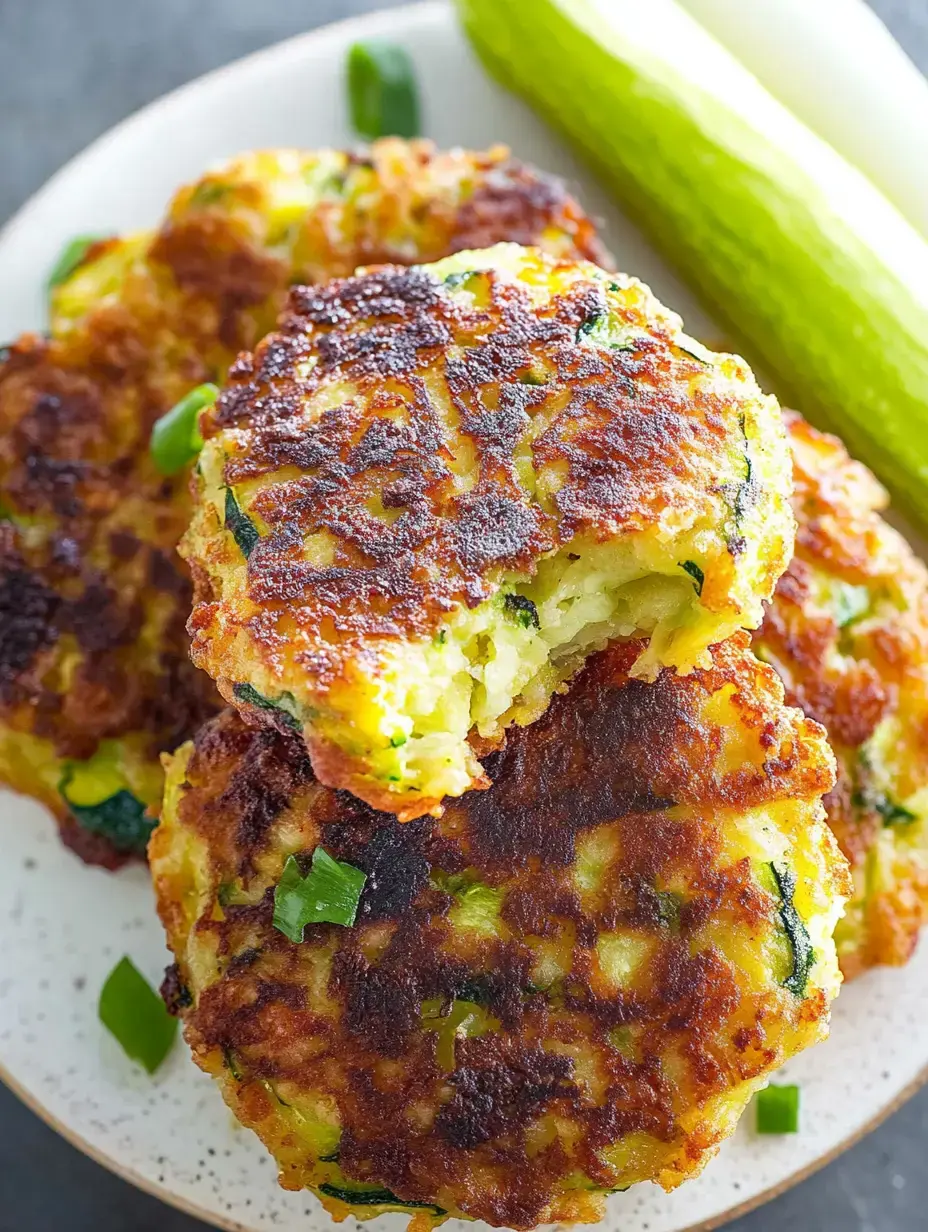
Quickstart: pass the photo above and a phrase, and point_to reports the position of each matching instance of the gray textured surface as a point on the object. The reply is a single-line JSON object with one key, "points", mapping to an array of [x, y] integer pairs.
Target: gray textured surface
{"points": [[69, 69]]}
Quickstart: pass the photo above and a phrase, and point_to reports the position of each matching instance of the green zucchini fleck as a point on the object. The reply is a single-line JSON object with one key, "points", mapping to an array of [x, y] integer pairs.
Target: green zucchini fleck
{"points": [[116, 816], [243, 529], [892, 813], [690, 567], [209, 193], [796, 931], [231, 1064], [523, 610], [377, 1197], [247, 693], [586, 327], [453, 281]]}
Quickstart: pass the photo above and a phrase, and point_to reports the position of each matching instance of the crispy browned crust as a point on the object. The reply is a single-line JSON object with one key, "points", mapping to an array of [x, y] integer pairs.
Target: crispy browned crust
{"points": [[460, 1138], [75, 420], [628, 435], [853, 680]]}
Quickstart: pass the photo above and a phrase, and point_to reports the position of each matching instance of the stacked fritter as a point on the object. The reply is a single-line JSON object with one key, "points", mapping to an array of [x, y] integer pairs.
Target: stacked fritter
{"points": [[567, 983], [95, 678], [427, 499]]}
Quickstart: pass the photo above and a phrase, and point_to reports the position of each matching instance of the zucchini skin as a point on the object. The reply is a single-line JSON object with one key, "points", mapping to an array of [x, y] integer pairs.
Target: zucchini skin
{"points": [[820, 279]]}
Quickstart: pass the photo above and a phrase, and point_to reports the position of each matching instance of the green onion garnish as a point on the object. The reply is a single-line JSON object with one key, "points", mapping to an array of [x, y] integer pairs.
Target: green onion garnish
{"points": [[778, 1110], [175, 438], [328, 894], [382, 94], [71, 257], [135, 1015]]}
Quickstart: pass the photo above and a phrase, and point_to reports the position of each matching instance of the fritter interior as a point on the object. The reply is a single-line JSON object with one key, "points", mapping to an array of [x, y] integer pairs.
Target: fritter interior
{"points": [[564, 985], [95, 678], [848, 634], [435, 491]]}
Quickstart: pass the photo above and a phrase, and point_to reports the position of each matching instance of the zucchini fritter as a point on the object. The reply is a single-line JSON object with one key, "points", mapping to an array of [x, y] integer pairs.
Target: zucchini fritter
{"points": [[435, 491], [95, 676], [848, 633], [564, 985]]}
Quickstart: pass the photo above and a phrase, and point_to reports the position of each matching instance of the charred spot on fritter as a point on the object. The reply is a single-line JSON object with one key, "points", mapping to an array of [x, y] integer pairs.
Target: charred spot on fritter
{"points": [[429, 496], [848, 633], [519, 1020]]}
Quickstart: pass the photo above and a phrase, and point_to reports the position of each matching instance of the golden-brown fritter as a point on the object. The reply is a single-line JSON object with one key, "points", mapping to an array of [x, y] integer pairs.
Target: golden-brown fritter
{"points": [[95, 676], [848, 633], [564, 985], [435, 491]]}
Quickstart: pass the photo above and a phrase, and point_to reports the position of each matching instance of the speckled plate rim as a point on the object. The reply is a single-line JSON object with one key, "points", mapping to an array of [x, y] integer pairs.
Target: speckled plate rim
{"points": [[382, 22], [163, 1194]]}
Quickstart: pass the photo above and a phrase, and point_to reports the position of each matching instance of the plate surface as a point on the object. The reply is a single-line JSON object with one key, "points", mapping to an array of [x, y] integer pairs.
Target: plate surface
{"points": [[62, 926]]}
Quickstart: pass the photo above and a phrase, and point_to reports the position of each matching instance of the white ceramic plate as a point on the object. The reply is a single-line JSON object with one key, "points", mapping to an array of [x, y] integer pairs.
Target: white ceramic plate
{"points": [[62, 925]]}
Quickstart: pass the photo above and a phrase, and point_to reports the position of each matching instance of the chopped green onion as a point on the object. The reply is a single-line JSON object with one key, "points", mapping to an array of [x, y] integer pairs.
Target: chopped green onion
{"points": [[690, 567], [796, 931], [777, 1110], [135, 1015], [72, 256], [247, 693], [175, 438], [240, 524], [382, 94], [376, 1197], [328, 894]]}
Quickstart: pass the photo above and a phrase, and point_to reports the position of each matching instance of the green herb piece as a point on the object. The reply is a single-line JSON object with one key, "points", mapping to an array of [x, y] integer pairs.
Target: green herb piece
{"points": [[95, 791], [690, 567], [175, 437], [796, 931], [329, 894], [135, 1015], [376, 1197], [330, 1159], [72, 255], [383, 97], [881, 802], [243, 529], [523, 610], [777, 1110], [246, 693]]}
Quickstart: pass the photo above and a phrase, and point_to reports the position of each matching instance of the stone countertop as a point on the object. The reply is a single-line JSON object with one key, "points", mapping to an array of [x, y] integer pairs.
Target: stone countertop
{"points": [[68, 72]]}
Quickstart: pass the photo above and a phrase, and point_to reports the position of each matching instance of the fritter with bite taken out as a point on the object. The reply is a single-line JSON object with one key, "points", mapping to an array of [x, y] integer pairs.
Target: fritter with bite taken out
{"points": [[435, 491], [562, 986]]}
